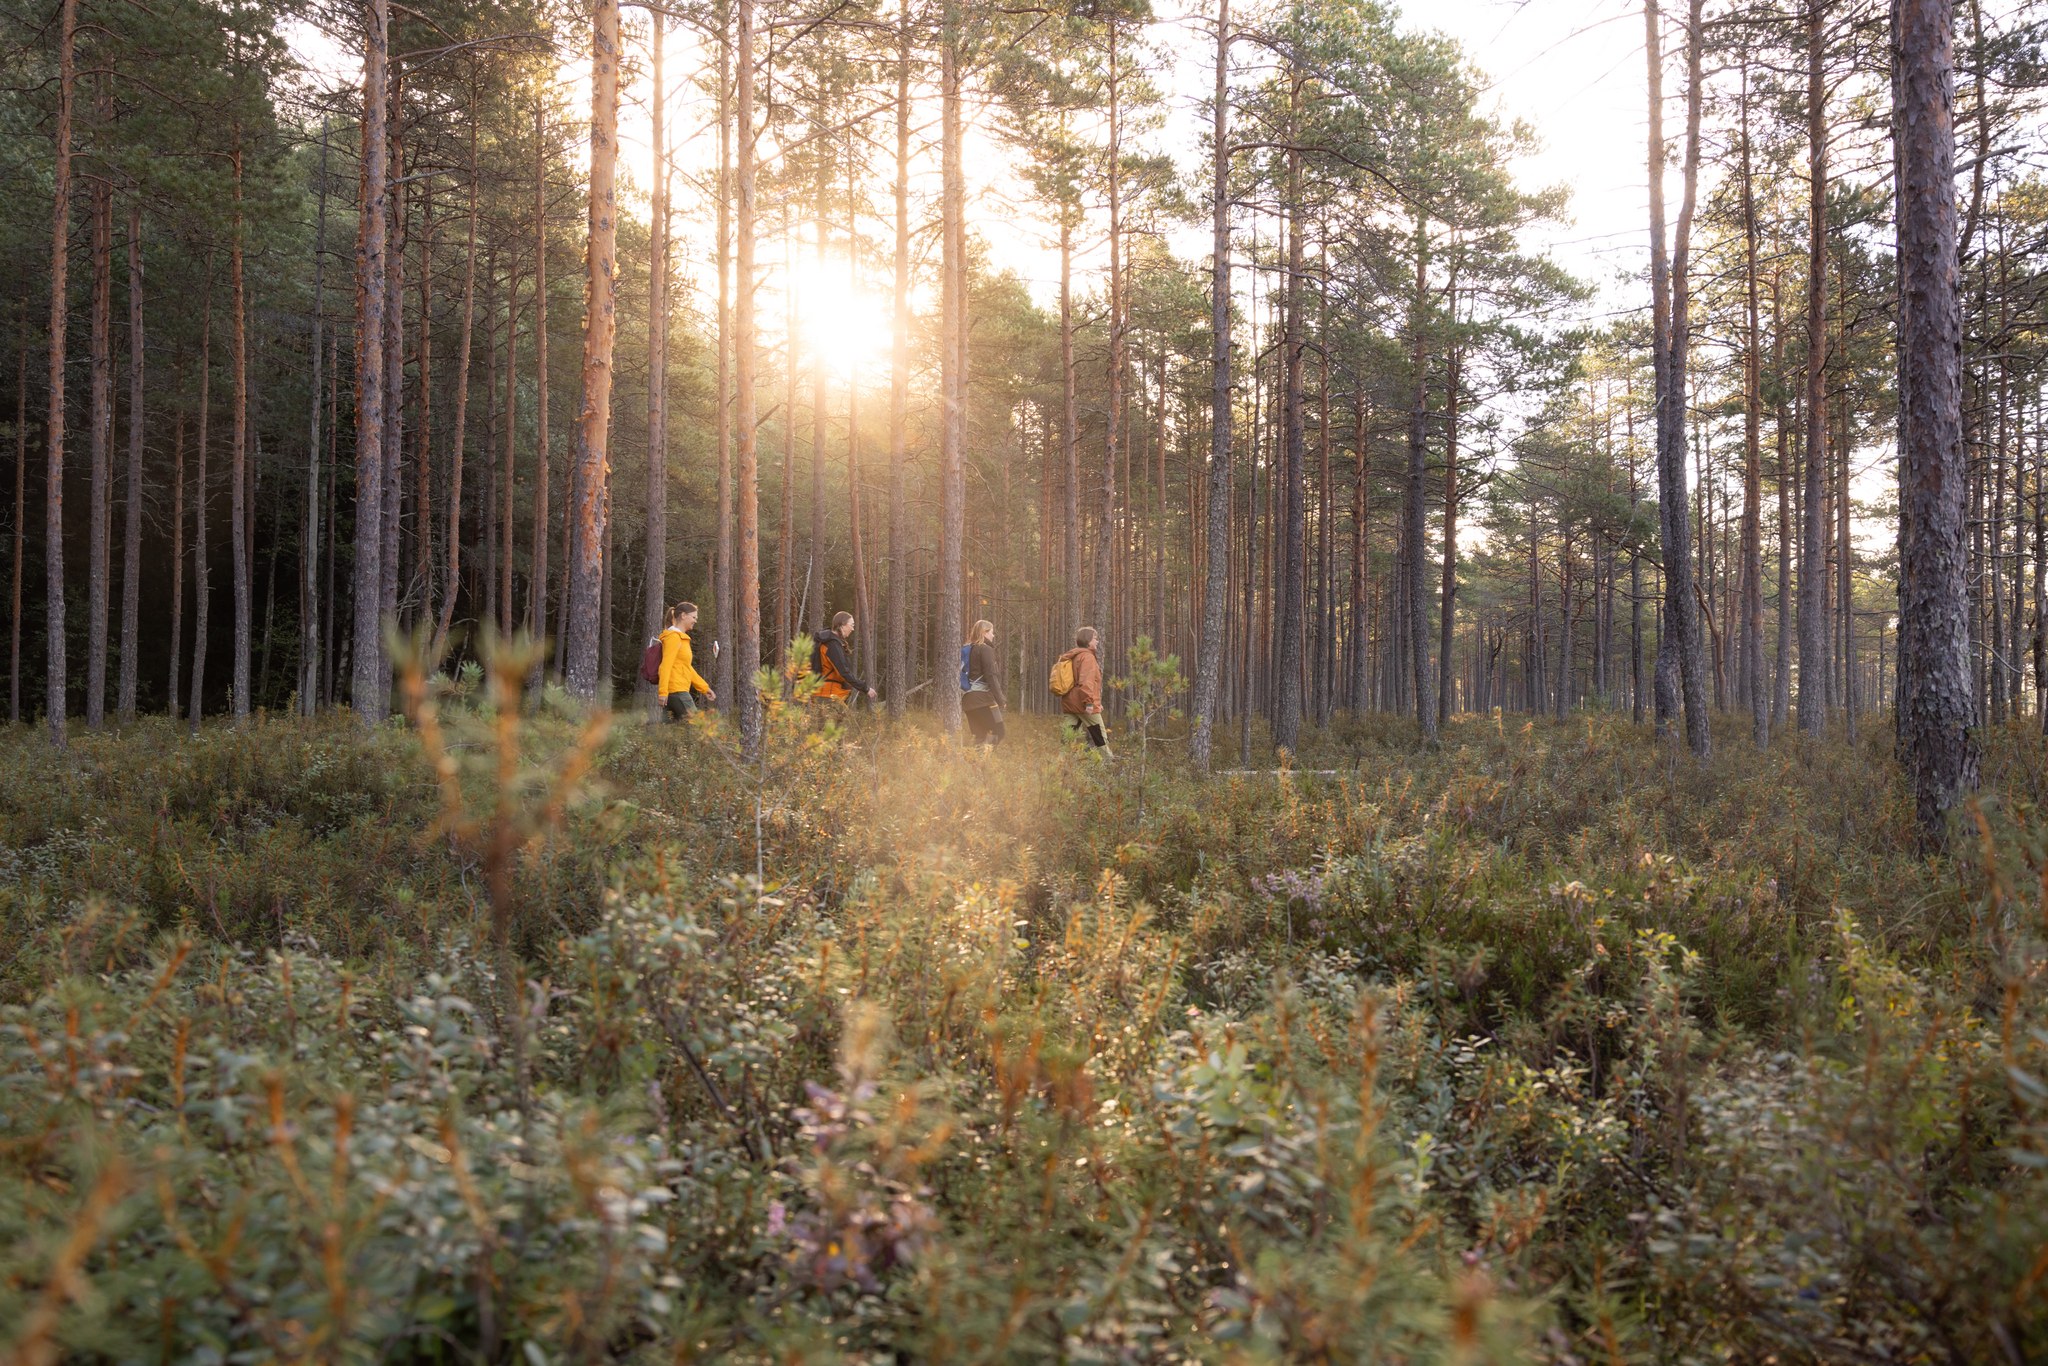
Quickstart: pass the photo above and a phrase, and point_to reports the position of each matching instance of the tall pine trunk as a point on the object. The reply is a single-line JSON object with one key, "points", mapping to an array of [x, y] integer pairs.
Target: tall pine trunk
{"points": [[600, 328], [1813, 671], [655, 578], [1935, 706], [1680, 651], [1216, 584], [1415, 617]]}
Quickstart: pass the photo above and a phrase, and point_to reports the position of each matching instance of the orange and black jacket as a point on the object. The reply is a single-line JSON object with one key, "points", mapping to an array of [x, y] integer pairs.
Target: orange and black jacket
{"points": [[834, 669]]}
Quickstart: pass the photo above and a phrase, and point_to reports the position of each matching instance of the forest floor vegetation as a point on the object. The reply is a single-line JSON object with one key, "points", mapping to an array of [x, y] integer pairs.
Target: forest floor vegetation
{"points": [[1545, 1043]]}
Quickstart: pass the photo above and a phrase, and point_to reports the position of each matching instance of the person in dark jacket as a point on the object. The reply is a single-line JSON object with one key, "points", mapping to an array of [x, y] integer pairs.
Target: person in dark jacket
{"points": [[983, 701], [833, 665], [1083, 702]]}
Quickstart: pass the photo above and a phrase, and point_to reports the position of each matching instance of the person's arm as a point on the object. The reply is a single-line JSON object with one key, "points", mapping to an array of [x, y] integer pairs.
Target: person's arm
{"points": [[836, 648]]}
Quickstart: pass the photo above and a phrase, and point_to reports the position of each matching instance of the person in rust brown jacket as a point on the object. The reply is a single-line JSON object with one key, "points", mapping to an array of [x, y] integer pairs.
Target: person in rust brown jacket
{"points": [[1083, 701]]}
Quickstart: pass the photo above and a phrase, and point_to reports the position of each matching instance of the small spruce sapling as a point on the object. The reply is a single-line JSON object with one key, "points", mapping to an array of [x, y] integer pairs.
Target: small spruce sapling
{"points": [[1151, 684]]}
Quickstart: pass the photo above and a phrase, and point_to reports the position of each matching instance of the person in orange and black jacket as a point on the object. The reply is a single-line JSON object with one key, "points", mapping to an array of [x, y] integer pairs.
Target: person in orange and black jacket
{"points": [[1083, 702], [983, 701], [680, 681], [833, 665]]}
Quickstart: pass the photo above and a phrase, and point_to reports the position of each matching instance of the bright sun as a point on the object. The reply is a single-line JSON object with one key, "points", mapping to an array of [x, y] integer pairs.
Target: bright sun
{"points": [[839, 323]]}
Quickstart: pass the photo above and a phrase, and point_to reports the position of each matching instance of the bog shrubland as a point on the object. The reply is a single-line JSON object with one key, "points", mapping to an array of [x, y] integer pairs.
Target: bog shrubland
{"points": [[497, 1037]]}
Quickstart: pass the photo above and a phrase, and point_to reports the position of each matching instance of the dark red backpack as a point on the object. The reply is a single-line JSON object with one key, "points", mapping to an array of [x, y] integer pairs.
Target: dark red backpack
{"points": [[650, 661]]}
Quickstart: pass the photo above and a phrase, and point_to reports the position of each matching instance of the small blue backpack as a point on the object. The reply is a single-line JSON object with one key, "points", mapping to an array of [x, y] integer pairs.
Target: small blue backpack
{"points": [[966, 683]]}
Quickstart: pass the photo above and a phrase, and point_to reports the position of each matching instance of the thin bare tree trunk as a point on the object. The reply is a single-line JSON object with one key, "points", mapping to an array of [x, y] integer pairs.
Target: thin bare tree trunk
{"points": [[393, 482], [1813, 673], [423, 439], [899, 387], [53, 426], [453, 588], [202, 579], [131, 527], [537, 582], [655, 587], [814, 581], [315, 610], [722, 565], [101, 416], [1752, 454], [1448, 592], [1112, 413], [952, 382], [507, 468], [863, 608], [1293, 543], [1415, 614], [748, 568], [366, 643]]}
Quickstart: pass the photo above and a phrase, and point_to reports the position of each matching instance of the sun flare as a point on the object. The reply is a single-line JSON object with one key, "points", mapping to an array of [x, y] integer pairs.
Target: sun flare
{"points": [[838, 322]]}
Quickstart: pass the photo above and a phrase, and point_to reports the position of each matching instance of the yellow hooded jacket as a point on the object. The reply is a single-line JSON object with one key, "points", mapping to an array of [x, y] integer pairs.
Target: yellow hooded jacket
{"points": [[678, 671]]}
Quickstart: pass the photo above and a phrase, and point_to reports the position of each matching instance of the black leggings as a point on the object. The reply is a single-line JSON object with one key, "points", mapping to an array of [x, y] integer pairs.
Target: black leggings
{"points": [[987, 724]]}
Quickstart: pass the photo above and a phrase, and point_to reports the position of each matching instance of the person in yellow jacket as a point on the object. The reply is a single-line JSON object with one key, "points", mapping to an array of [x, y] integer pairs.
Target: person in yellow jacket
{"points": [[680, 681]]}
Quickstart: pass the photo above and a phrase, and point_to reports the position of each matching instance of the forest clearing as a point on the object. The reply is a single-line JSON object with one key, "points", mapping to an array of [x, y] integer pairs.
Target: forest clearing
{"points": [[1214, 680]]}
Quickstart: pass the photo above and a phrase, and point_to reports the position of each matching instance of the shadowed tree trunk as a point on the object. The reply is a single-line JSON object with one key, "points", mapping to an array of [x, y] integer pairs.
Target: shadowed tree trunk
{"points": [[53, 425], [1935, 705], [21, 537], [366, 692], [131, 527], [100, 415]]}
